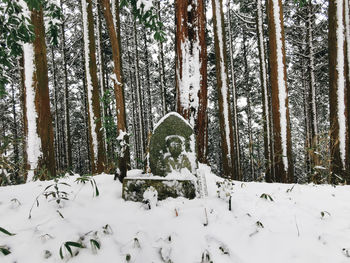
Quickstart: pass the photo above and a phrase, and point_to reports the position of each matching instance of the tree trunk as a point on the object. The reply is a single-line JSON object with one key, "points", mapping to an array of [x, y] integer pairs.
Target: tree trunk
{"points": [[39, 132], [114, 35], [94, 109], [307, 144], [264, 89], [86, 122], [249, 112], [68, 147], [132, 99], [234, 106], [26, 165], [103, 88], [347, 74], [283, 162], [148, 88], [337, 90], [223, 92], [138, 93], [57, 138], [191, 69], [14, 127], [314, 160], [162, 82]]}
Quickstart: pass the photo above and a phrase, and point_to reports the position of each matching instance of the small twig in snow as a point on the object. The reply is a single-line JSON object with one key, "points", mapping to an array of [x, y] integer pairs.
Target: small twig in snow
{"points": [[254, 233], [296, 224], [206, 217]]}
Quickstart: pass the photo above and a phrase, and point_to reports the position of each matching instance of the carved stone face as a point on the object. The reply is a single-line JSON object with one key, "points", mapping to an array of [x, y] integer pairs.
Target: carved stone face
{"points": [[174, 146]]}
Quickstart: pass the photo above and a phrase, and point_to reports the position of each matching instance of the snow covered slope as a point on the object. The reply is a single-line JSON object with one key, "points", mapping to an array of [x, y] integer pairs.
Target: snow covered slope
{"points": [[303, 223]]}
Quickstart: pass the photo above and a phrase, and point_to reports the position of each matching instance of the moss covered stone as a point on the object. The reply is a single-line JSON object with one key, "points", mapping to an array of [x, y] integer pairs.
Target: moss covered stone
{"points": [[133, 188], [172, 146]]}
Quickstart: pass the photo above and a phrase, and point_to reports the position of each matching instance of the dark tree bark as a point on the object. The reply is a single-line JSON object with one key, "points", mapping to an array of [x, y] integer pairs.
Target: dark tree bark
{"points": [[225, 117], [283, 161], [249, 111], [14, 126], [57, 137], [347, 85], [46, 167], [234, 103], [264, 89], [337, 91], [68, 148], [191, 82], [161, 67], [311, 103], [95, 125], [114, 35], [138, 94], [148, 87], [26, 165]]}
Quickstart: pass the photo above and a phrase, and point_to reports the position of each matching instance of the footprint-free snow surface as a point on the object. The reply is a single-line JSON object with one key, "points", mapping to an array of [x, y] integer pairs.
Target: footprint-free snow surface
{"points": [[267, 223]]}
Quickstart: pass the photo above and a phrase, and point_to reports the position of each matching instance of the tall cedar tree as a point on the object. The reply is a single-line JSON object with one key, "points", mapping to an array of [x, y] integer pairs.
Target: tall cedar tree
{"points": [[234, 100], [114, 35], [264, 93], [162, 82], [38, 129], [311, 103], [139, 99], [347, 64], [283, 162], [66, 98], [338, 84], [97, 148], [191, 69], [225, 118]]}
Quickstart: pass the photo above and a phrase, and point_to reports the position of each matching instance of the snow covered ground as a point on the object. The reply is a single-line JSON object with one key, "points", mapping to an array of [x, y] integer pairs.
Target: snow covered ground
{"points": [[303, 223]]}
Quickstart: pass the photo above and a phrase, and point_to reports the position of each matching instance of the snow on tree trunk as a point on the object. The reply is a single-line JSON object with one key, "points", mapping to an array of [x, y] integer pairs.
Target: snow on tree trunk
{"points": [[338, 110], [191, 69], [234, 99], [223, 91], [264, 87], [114, 35], [37, 116], [283, 164], [94, 111], [347, 73], [33, 142], [101, 74], [130, 76]]}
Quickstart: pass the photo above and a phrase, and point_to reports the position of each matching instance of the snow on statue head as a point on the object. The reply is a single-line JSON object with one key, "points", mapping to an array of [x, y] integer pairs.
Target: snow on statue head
{"points": [[172, 146]]}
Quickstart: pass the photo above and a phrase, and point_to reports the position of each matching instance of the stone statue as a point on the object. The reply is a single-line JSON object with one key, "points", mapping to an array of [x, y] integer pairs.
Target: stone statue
{"points": [[172, 146], [176, 159]]}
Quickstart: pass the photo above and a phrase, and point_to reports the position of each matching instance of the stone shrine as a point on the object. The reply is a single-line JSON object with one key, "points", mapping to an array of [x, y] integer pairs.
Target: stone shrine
{"points": [[173, 162], [172, 146]]}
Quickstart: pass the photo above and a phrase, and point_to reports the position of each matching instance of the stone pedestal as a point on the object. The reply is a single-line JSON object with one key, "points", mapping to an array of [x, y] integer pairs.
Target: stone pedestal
{"points": [[133, 188]]}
